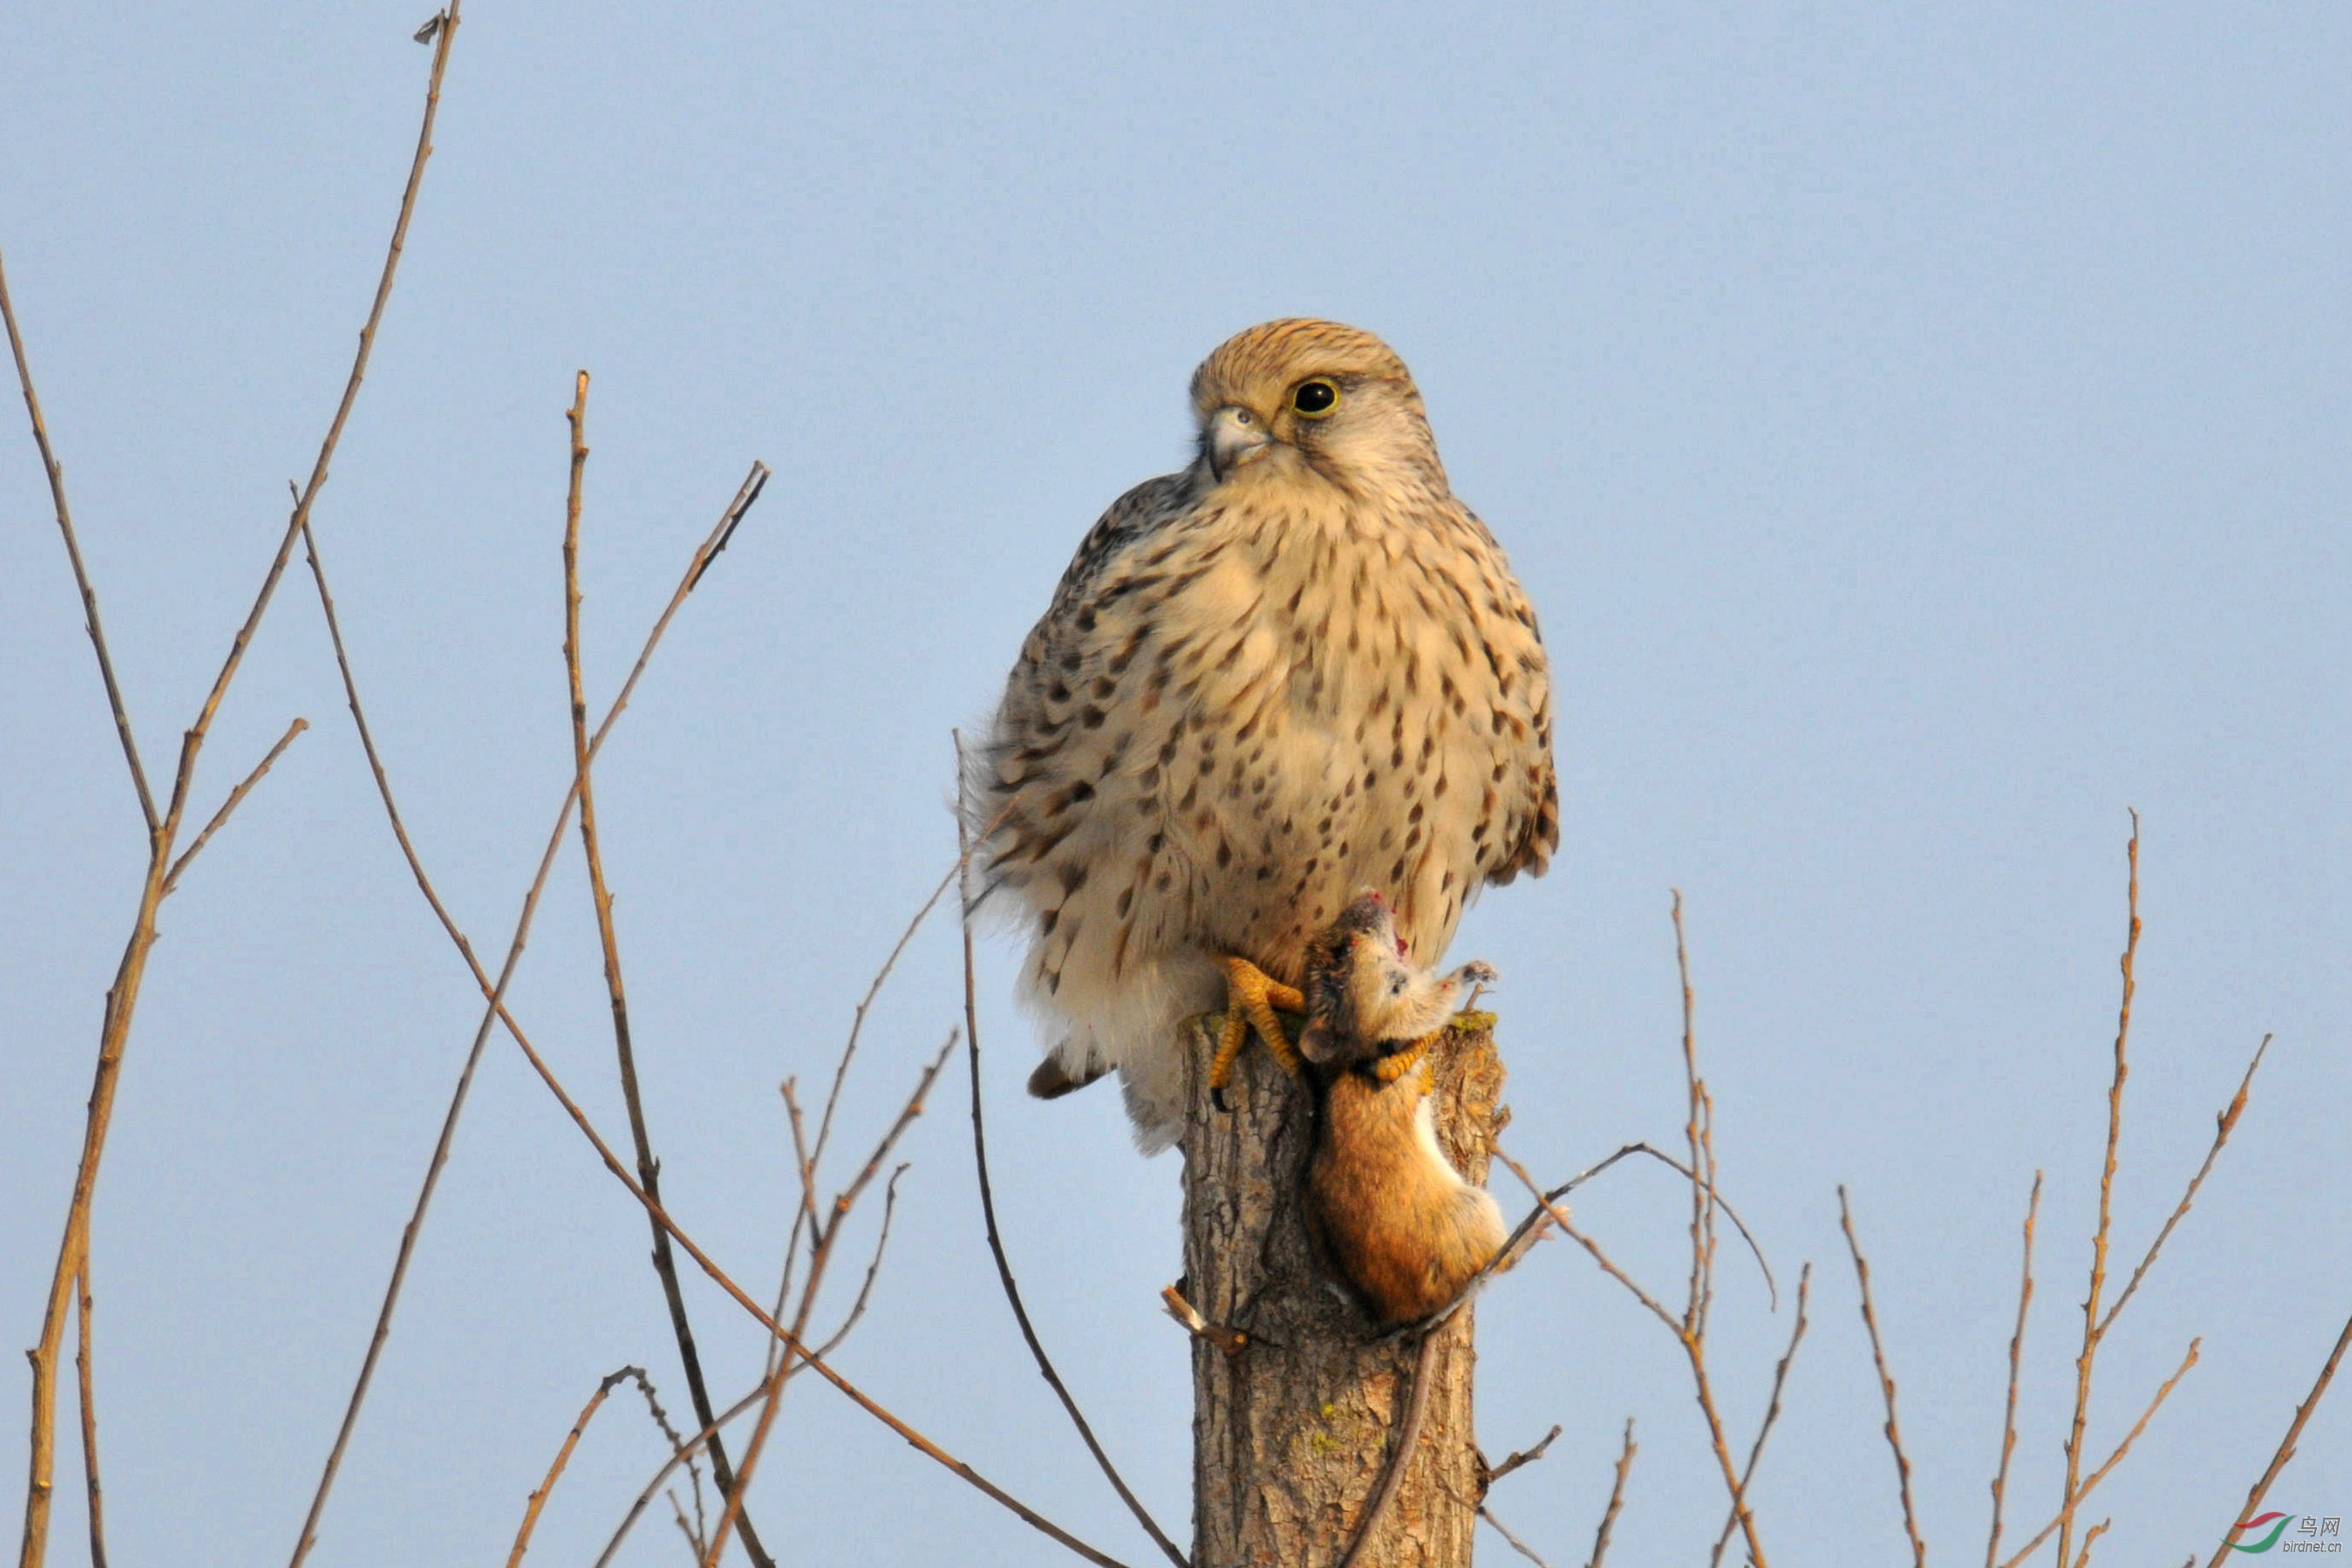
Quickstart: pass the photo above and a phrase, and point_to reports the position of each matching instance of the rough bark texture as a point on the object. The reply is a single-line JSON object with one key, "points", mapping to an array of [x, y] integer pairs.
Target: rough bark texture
{"points": [[1291, 1432]]}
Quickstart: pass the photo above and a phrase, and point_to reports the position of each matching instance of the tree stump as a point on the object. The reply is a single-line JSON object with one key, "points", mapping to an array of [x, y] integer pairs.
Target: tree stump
{"points": [[1291, 1430]]}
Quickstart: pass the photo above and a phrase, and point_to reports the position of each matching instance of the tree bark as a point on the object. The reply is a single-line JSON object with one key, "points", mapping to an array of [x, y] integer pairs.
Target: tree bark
{"points": [[1291, 1430]]}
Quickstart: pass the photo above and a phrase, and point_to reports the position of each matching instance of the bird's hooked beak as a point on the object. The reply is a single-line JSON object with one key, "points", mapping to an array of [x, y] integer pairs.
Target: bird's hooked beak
{"points": [[1233, 436]]}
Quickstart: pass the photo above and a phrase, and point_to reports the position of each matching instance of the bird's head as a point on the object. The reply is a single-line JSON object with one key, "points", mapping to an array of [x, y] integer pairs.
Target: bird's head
{"points": [[1304, 396]]}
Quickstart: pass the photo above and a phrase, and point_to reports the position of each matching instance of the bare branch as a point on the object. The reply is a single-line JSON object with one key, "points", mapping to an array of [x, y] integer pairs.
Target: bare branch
{"points": [[601, 897], [685, 1527], [193, 740], [682, 1454], [1697, 1128], [172, 878], [1516, 1245], [2294, 1431], [804, 1216], [2224, 1122], [820, 1255], [88, 1419], [2016, 1345], [2093, 1326], [873, 1267], [367, 745], [562, 1457], [996, 1242], [1559, 1217], [1690, 1329], [1516, 1544], [123, 997], [493, 992], [1885, 1382], [1771, 1414], [725, 535], [857, 1022], [97, 628], [677, 1445], [1526, 1456], [1616, 1499], [2074, 1500], [1700, 1128], [766, 1320]]}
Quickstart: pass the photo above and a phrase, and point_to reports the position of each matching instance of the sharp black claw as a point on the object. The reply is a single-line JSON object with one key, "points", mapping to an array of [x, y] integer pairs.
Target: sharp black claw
{"points": [[1217, 1098]]}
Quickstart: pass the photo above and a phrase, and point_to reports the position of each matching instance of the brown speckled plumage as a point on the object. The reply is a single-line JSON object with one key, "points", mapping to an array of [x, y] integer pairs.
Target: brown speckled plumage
{"points": [[1296, 668]]}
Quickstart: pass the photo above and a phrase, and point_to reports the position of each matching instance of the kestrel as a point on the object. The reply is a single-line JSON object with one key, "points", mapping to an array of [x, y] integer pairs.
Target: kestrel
{"points": [[1296, 668]]}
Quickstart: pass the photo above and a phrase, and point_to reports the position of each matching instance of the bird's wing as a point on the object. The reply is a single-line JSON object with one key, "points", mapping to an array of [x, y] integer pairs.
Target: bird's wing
{"points": [[1013, 774], [1130, 517], [1540, 806]]}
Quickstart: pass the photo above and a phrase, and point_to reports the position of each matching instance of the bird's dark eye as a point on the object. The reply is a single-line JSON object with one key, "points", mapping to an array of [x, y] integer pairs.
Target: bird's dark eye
{"points": [[1315, 399], [1396, 986]]}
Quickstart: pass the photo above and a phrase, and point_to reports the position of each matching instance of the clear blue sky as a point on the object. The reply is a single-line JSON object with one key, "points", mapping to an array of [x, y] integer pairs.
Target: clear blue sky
{"points": [[1924, 432]]}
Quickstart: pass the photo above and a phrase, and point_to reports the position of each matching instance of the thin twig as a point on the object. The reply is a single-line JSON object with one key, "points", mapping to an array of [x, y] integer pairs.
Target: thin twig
{"points": [[727, 534], [1408, 1437], [820, 1255], [493, 991], [562, 1457], [88, 1418], [1694, 1307], [684, 1527], [2082, 1558], [1609, 1265], [1526, 1456], [2016, 1345], [1690, 1329], [367, 745], [123, 996], [97, 628], [601, 897], [872, 1266], [810, 1156], [2067, 1514], [2294, 1431], [805, 1219], [1515, 1246], [676, 1445], [1516, 1544], [309, 495], [1616, 1499], [2224, 1122], [858, 1021], [1771, 1414], [2093, 1326], [806, 1213], [1700, 1127], [996, 1241], [766, 1320], [683, 1454], [172, 878], [1885, 1382], [1693, 1349]]}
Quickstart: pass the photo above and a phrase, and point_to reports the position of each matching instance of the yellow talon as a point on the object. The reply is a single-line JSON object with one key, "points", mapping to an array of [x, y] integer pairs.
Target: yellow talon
{"points": [[1251, 997]]}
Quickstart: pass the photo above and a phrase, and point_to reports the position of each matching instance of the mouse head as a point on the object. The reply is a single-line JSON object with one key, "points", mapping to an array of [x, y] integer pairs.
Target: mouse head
{"points": [[1364, 996]]}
